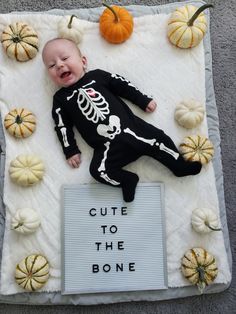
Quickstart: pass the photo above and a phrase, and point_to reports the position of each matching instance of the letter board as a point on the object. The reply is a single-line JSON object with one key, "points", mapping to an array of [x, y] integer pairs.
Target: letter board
{"points": [[109, 245]]}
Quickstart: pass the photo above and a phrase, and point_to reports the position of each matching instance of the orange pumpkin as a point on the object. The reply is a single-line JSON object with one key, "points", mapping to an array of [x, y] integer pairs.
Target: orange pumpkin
{"points": [[116, 24]]}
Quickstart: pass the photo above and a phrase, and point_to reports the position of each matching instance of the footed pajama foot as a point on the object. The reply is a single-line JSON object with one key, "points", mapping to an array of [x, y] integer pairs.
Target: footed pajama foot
{"points": [[189, 168], [129, 187]]}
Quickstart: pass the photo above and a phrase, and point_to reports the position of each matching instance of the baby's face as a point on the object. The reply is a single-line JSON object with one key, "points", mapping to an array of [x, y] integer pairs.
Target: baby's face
{"points": [[64, 63]]}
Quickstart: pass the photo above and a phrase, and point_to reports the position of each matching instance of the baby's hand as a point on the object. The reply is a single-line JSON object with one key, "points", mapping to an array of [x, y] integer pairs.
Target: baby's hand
{"points": [[151, 106], [74, 161]]}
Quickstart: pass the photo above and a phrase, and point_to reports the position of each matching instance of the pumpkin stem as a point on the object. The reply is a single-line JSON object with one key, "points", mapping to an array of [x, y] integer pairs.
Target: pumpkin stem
{"points": [[16, 38], [213, 229], [113, 11], [70, 21], [198, 12], [18, 119], [201, 284], [20, 224], [201, 273]]}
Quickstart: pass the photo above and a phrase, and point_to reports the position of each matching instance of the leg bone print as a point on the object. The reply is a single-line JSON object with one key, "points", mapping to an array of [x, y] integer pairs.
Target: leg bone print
{"points": [[106, 178], [154, 142], [167, 150], [102, 167], [105, 128], [150, 142]]}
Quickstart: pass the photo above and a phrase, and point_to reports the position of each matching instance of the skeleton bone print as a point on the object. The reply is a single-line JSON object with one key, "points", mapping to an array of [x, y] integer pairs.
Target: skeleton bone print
{"points": [[94, 105], [119, 77], [91, 103], [110, 130], [63, 129]]}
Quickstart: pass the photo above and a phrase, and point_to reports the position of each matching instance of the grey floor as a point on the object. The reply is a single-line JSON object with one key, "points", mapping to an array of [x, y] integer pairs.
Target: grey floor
{"points": [[223, 37]]}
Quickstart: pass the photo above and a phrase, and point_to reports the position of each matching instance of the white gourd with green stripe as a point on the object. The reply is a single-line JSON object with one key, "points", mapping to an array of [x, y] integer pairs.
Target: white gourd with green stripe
{"points": [[32, 272]]}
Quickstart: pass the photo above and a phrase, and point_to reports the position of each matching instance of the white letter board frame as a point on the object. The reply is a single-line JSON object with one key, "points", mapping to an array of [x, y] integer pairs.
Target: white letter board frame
{"points": [[142, 232]]}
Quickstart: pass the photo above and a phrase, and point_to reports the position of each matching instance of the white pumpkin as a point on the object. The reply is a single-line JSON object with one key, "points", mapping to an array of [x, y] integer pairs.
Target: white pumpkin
{"points": [[20, 122], [204, 220], [20, 41], [25, 220], [197, 148], [32, 272], [199, 267], [187, 25], [189, 113], [26, 170], [69, 27]]}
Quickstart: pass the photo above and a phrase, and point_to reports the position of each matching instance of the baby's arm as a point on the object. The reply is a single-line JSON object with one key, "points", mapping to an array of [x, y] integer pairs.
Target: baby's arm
{"points": [[64, 131], [74, 161], [120, 86]]}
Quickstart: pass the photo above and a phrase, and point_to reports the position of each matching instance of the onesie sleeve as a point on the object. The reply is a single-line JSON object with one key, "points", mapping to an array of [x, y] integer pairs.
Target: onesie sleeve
{"points": [[124, 88], [64, 130]]}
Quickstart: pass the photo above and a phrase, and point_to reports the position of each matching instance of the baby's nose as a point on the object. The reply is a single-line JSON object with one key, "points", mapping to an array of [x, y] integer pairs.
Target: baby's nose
{"points": [[60, 64]]}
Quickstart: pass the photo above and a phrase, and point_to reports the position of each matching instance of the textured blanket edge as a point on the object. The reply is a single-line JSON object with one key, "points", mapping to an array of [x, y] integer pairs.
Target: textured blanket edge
{"points": [[171, 293]]}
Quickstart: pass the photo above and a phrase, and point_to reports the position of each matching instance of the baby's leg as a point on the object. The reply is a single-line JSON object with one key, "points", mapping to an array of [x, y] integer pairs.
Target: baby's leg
{"points": [[165, 151], [106, 167], [178, 165]]}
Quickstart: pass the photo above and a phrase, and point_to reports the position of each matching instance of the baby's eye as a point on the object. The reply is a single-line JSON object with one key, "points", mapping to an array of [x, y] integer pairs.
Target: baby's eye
{"points": [[65, 58], [51, 66]]}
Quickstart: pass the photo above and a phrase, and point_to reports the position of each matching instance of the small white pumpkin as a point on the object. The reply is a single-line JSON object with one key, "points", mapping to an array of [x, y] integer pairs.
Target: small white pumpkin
{"points": [[25, 221], [197, 148], [32, 272], [187, 26], [199, 267], [204, 220], [69, 27], [20, 122], [26, 170], [20, 41], [189, 113]]}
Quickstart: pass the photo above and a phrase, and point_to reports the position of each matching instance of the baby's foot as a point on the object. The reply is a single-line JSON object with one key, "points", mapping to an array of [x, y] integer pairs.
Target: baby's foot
{"points": [[129, 187], [189, 168]]}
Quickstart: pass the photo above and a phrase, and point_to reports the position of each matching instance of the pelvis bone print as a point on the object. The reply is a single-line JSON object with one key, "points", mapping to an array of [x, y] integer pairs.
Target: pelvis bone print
{"points": [[110, 130]]}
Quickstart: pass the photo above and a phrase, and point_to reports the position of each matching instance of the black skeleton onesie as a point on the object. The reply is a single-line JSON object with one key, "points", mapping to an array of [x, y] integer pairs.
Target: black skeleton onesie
{"points": [[93, 105]]}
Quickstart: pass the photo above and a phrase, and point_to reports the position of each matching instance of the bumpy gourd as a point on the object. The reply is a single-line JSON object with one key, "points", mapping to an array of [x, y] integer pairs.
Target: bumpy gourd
{"points": [[20, 41], [116, 24], [189, 114], [26, 170], [199, 267], [204, 220], [32, 272], [20, 122], [25, 221], [69, 27], [187, 26], [197, 148]]}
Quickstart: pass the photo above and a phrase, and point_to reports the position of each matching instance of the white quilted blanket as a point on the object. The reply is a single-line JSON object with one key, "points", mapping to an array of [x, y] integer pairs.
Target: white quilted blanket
{"points": [[158, 69]]}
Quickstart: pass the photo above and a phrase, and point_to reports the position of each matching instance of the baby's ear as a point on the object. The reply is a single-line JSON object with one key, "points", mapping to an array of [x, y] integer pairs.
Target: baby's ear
{"points": [[84, 61]]}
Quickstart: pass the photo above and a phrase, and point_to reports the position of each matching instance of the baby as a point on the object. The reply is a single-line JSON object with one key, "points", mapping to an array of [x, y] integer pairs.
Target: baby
{"points": [[90, 101]]}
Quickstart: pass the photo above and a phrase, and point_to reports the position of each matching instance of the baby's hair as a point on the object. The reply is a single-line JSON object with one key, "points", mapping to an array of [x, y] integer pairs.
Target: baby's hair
{"points": [[60, 38]]}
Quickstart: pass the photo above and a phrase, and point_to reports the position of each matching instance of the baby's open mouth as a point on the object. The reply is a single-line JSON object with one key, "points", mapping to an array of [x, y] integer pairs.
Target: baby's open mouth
{"points": [[65, 74]]}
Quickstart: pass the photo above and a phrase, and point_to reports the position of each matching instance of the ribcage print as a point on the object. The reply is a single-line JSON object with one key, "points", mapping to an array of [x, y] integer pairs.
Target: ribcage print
{"points": [[92, 104]]}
